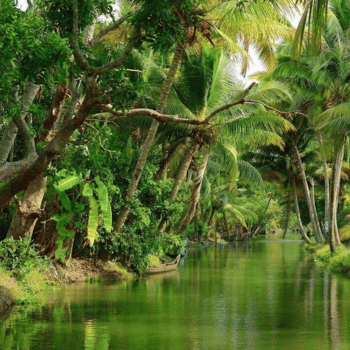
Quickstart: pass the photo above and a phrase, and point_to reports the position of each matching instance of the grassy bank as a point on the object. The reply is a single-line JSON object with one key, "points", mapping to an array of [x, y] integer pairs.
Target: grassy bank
{"points": [[25, 276], [339, 262]]}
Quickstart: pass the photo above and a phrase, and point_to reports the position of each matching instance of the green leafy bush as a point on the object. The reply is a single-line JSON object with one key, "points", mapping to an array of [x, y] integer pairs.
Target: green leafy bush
{"points": [[19, 257]]}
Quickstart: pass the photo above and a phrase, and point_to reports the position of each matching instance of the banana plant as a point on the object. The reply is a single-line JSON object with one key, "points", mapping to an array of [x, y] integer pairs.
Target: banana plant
{"points": [[99, 208]]}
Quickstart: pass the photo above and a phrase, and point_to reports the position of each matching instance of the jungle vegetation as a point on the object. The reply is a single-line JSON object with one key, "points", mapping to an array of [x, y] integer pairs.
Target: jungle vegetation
{"points": [[122, 132]]}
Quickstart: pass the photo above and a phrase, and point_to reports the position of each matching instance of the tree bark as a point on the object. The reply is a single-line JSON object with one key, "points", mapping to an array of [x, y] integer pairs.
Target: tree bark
{"points": [[26, 216], [28, 210], [315, 210], [307, 195], [297, 212], [146, 147], [195, 195], [288, 207], [261, 218], [327, 199], [335, 197], [165, 162], [180, 176], [11, 131], [40, 165]]}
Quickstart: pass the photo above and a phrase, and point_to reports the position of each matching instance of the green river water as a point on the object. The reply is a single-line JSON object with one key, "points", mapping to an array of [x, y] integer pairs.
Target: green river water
{"points": [[270, 295]]}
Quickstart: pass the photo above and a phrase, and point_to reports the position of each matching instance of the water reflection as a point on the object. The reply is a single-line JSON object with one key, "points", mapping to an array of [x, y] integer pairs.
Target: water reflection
{"points": [[269, 295]]}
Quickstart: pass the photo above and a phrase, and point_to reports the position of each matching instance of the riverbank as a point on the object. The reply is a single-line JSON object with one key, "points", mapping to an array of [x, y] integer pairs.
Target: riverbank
{"points": [[339, 262], [29, 288]]}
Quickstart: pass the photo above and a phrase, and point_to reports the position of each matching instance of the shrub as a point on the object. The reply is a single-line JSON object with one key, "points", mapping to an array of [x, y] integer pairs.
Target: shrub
{"points": [[18, 256]]}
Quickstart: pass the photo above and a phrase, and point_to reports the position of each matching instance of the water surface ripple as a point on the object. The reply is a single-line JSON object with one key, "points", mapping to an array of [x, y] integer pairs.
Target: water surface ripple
{"points": [[269, 295]]}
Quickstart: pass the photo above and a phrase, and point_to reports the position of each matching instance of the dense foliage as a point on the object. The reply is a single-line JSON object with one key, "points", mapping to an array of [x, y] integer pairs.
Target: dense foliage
{"points": [[120, 139]]}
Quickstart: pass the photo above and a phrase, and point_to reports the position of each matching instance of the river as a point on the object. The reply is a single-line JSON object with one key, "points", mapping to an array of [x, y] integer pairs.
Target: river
{"points": [[267, 295]]}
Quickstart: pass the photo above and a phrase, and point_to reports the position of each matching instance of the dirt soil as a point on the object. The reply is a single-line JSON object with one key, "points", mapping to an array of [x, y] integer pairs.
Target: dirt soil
{"points": [[6, 299], [86, 269]]}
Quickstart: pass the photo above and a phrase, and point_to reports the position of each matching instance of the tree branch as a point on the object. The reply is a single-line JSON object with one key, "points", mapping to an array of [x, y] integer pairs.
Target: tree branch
{"points": [[54, 147], [9, 169], [113, 26], [134, 40], [159, 117], [78, 56], [50, 120], [242, 100]]}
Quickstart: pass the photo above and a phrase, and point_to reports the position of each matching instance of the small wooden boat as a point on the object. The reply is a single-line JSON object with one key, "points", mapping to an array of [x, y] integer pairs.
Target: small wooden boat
{"points": [[164, 267]]}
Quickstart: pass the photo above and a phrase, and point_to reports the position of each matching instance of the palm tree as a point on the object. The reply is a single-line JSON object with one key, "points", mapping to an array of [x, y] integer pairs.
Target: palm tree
{"points": [[210, 31], [204, 90]]}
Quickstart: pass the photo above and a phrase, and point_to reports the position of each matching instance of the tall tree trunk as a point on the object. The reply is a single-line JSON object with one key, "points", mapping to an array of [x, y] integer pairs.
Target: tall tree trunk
{"points": [[183, 170], [297, 212], [226, 230], [165, 162], [315, 210], [327, 199], [261, 218], [146, 147], [313, 219], [29, 208], [288, 207], [180, 176], [213, 210], [195, 195], [336, 188]]}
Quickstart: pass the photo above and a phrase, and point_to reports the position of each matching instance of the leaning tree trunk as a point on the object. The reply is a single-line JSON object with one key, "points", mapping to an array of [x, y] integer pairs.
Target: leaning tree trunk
{"points": [[166, 161], [213, 210], [288, 207], [146, 147], [335, 197], [180, 176], [307, 195], [312, 194], [297, 213], [257, 228], [29, 208], [195, 195], [327, 199]]}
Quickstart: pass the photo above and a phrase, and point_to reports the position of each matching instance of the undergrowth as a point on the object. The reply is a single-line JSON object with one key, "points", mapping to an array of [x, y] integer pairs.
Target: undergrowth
{"points": [[22, 270], [338, 262]]}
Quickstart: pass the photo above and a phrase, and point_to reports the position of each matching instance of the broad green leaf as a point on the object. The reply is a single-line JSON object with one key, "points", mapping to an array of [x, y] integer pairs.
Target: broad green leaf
{"points": [[87, 190], [107, 218], [93, 221], [65, 201], [102, 194], [68, 182]]}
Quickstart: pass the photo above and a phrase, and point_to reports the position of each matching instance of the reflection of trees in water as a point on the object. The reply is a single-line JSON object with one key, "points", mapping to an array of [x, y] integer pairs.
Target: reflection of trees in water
{"points": [[308, 285], [334, 314]]}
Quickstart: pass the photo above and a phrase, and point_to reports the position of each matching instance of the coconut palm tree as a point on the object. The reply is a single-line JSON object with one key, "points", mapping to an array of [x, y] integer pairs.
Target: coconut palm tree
{"points": [[204, 90], [211, 26]]}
